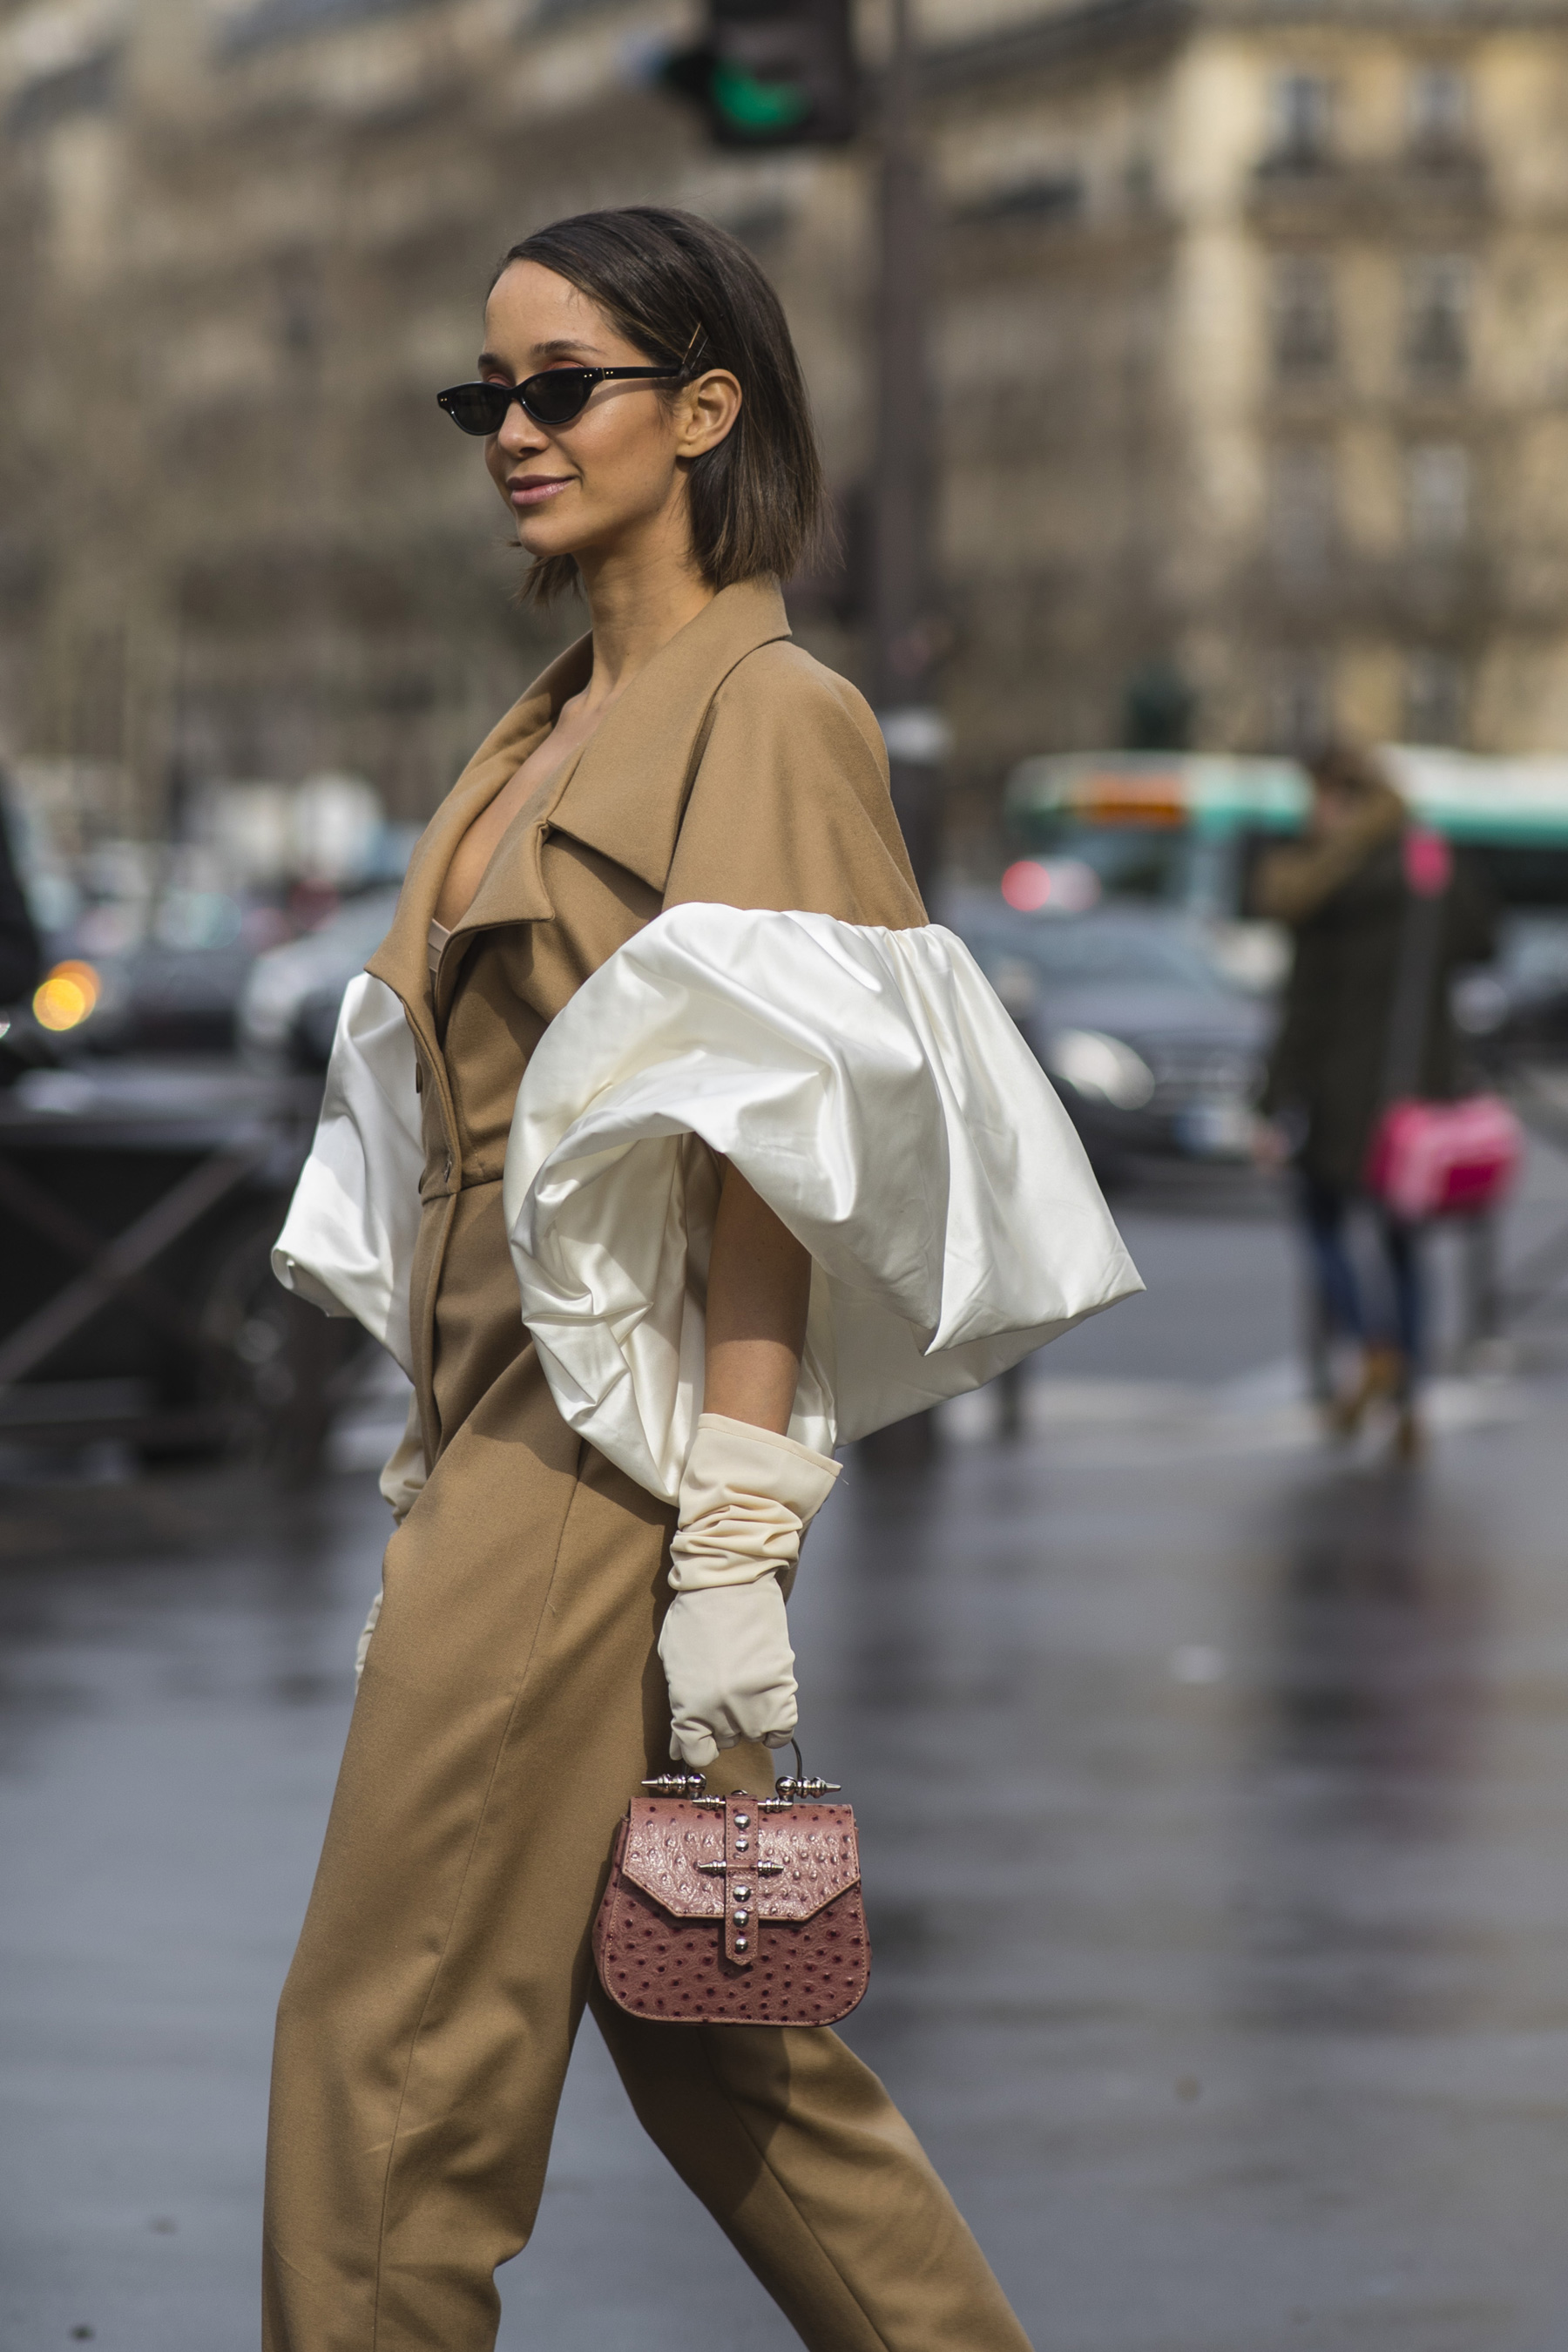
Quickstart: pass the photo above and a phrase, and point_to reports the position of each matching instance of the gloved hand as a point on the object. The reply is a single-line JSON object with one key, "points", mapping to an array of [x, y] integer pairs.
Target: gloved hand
{"points": [[730, 1667], [746, 1499]]}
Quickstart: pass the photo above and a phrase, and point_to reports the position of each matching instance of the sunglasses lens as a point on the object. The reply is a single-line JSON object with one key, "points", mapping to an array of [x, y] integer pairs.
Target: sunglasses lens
{"points": [[558, 395], [477, 408]]}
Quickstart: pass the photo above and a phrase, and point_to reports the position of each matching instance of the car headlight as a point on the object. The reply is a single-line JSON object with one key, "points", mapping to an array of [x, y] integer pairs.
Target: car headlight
{"points": [[1105, 1069], [267, 1002]]}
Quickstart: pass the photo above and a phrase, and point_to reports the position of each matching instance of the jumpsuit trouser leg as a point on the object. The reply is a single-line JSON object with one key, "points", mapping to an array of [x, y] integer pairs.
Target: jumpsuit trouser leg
{"points": [[512, 1702]]}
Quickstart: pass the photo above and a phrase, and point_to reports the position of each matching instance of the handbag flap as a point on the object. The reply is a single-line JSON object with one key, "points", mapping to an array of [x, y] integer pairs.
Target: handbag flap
{"points": [[668, 1840]]}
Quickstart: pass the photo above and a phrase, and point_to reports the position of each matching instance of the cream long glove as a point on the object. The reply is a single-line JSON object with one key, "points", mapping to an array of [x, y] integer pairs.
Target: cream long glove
{"points": [[402, 1481], [746, 1499]]}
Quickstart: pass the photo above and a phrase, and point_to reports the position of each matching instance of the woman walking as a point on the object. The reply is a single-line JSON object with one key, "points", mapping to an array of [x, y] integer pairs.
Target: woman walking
{"points": [[1346, 895], [661, 1051]]}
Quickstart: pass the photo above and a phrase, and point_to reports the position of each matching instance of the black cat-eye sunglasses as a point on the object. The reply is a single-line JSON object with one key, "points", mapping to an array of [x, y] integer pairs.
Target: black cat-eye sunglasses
{"points": [[553, 398]]}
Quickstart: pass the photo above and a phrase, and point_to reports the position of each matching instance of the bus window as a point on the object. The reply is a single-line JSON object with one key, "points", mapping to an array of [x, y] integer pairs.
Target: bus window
{"points": [[1133, 861], [1523, 875]]}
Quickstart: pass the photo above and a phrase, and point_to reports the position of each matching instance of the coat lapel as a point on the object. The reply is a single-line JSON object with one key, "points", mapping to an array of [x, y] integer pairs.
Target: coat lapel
{"points": [[624, 795], [402, 959]]}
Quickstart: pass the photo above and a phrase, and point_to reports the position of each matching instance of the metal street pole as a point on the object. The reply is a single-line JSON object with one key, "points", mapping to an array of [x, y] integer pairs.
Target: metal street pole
{"points": [[903, 640], [901, 635]]}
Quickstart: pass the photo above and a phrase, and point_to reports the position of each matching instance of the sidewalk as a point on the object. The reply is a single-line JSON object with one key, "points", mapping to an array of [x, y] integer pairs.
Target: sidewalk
{"points": [[1214, 1796]]}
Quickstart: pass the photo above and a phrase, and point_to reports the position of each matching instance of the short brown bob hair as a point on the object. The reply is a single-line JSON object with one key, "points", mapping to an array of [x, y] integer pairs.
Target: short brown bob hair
{"points": [[683, 290]]}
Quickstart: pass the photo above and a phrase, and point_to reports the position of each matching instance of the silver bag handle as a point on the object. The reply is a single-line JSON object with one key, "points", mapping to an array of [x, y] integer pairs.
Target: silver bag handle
{"points": [[795, 1787]]}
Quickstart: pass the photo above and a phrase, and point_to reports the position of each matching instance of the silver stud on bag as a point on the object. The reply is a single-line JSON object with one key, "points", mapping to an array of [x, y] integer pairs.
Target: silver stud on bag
{"points": [[795, 1785], [791, 1790]]}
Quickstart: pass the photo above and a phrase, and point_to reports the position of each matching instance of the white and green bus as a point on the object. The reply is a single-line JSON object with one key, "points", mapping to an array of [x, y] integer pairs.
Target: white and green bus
{"points": [[1184, 829]]}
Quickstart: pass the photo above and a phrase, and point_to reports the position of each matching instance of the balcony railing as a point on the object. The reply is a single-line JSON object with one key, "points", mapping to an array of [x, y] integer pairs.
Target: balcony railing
{"points": [[1424, 189]]}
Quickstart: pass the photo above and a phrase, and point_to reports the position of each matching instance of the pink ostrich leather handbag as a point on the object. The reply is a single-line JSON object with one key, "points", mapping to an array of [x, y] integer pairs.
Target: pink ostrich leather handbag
{"points": [[734, 1910]]}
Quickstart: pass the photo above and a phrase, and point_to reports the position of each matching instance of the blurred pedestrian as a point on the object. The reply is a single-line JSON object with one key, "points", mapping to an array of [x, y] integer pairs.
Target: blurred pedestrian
{"points": [[1345, 892], [671, 887]]}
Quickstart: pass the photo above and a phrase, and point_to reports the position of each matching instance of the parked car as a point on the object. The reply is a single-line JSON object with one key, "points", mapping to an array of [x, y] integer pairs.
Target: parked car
{"points": [[171, 1000], [162, 979], [1515, 1009], [288, 1010], [1151, 1048]]}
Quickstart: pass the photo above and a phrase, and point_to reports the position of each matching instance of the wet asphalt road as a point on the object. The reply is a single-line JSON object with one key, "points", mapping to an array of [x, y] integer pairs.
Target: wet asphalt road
{"points": [[1214, 1797]]}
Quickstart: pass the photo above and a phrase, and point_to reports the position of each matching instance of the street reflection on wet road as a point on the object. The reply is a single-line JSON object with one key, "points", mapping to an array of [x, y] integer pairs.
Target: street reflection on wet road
{"points": [[1376, 1659], [1212, 1792]]}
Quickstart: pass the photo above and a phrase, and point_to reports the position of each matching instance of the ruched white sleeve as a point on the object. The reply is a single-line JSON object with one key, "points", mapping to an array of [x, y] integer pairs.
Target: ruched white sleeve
{"points": [[870, 1086], [347, 1244]]}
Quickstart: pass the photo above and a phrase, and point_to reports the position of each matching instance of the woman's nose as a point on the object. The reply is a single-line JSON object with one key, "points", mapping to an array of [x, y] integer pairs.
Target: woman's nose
{"points": [[519, 434]]}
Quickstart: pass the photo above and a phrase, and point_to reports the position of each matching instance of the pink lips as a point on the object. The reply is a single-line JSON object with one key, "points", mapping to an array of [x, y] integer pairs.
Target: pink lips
{"points": [[534, 489]]}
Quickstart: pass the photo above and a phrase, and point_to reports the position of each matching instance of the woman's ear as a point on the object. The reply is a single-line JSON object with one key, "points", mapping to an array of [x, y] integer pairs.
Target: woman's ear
{"points": [[707, 412]]}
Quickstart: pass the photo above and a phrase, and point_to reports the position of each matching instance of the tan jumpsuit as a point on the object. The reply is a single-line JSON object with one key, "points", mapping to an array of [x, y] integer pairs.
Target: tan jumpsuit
{"points": [[512, 1697]]}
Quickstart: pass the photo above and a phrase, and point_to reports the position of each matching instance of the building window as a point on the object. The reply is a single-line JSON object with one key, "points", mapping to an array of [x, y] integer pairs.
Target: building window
{"points": [[1303, 702], [1138, 184], [1435, 698], [56, 92], [1303, 305], [1437, 495], [298, 284], [1301, 508], [1437, 316], [1438, 109], [1302, 127], [1041, 195]]}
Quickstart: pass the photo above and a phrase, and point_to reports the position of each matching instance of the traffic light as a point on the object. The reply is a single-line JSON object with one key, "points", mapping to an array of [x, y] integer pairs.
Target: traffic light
{"points": [[771, 73]]}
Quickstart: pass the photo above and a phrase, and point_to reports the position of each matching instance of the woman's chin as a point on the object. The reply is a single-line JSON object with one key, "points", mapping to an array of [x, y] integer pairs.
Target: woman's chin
{"points": [[541, 545]]}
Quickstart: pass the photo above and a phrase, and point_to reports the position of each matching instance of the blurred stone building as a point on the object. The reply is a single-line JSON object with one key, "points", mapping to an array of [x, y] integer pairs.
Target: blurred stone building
{"points": [[1250, 360], [1254, 369]]}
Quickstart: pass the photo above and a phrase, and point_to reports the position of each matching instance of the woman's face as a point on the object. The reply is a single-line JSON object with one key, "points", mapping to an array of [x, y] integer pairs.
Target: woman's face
{"points": [[615, 473]]}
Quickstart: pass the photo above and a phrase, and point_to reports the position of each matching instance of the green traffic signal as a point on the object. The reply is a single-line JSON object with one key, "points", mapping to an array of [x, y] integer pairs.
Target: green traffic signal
{"points": [[771, 73], [753, 107]]}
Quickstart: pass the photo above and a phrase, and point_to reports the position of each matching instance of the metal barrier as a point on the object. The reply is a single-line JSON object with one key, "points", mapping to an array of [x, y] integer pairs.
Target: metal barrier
{"points": [[137, 1301]]}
